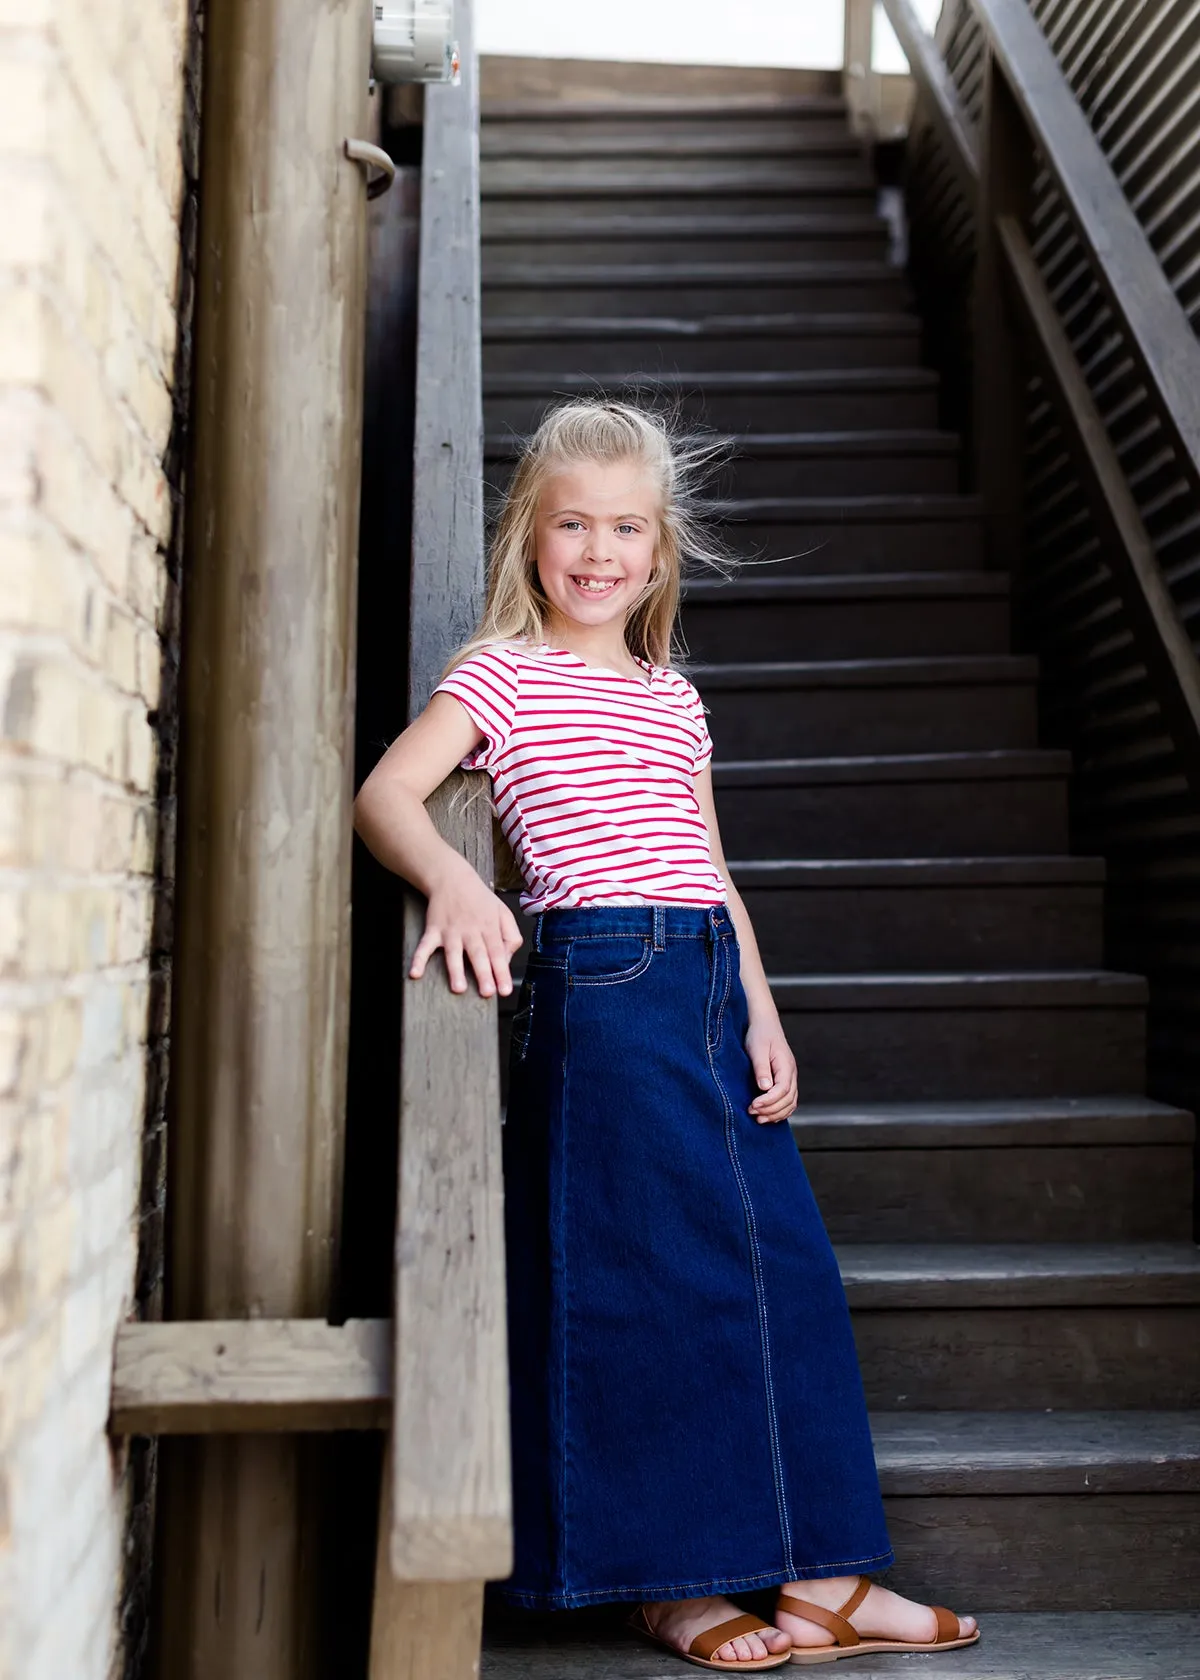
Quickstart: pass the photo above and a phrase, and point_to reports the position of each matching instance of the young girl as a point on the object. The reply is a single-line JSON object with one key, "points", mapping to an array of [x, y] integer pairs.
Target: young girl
{"points": [[688, 1417]]}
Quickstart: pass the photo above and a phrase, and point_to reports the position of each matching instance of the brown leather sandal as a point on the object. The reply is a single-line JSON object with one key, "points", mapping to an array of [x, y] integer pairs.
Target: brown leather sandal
{"points": [[850, 1643], [700, 1651]]}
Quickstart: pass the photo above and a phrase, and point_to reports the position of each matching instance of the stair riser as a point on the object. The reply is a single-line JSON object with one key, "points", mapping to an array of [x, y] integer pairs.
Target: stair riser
{"points": [[934, 929], [895, 819], [684, 175], [817, 550], [803, 197], [808, 723], [721, 628], [1011, 1359], [690, 302], [866, 246], [658, 138], [1089, 1551], [838, 475], [1074, 1193], [906, 1055], [725, 355], [741, 411]]}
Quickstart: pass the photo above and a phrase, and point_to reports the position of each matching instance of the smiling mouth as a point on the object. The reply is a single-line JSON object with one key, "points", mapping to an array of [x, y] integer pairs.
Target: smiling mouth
{"points": [[595, 586]]}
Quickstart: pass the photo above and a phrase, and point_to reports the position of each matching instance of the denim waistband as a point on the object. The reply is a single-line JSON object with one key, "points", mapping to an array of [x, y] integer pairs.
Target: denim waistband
{"points": [[656, 922]]}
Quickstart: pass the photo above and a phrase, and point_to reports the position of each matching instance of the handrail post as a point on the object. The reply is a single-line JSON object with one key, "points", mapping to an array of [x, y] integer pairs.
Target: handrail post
{"points": [[1006, 168], [860, 85]]}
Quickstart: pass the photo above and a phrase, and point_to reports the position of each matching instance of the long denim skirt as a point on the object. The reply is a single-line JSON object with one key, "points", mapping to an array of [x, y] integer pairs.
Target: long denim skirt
{"points": [[687, 1410]]}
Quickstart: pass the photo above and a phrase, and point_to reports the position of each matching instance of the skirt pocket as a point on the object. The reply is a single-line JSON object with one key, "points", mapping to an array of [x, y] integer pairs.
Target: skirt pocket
{"points": [[607, 962]]}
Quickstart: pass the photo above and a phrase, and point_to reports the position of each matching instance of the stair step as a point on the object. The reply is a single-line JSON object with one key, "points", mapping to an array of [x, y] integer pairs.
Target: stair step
{"points": [[1032, 1645], [935, 704], [516, 232], [850, 533], [663, 110], [923, 1455], [1025, 1325], [698, 289], [923, 805], [677, 180], [600, 345], [847, 616], [1065, 1170], [851, 916], [886, 1276], [907, 1036], [640, 142]]}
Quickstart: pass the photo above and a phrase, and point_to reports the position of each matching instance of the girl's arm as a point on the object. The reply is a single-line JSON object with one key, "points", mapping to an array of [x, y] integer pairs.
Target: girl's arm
{"points": [[766, 1043], [464, 917]]}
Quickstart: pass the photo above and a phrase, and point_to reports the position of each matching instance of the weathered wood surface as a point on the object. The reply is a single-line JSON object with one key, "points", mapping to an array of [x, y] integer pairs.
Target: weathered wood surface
{"points": [[1162, 637], [935, 86], [1019, 1274], [1123, 260], [260, 995], [1046, 1646], [420, 1630], [251, 1375], [447, 519]]}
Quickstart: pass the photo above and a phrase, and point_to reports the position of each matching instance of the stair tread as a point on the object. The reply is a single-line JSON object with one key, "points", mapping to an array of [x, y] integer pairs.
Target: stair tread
{"points": [[801, 379], [851, 586], [1048, 1645], [533, 224], [785, 178], [827, 269], [980, 989], [850, 510], [868, 673], [998, 764], [907, 1276], [986, 1124], [913, 871], [904, 441], [813, 324], [947, 1453], [818, 142], [636, 109]]}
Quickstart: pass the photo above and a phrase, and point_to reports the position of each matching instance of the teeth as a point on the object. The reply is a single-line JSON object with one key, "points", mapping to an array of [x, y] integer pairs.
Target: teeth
{"points": [[596, 586]]}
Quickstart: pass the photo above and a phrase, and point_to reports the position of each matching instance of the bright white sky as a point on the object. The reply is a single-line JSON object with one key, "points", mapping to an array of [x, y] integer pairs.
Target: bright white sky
{"points": [[792, 32]]}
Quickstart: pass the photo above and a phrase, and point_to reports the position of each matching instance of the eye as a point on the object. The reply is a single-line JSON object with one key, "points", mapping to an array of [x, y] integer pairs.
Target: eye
{"points": [[627, 530], [572, 525]]}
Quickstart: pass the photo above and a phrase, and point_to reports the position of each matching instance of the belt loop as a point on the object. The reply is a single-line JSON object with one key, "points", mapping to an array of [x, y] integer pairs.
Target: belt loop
{"points": [[660, 927], [537, 930]]}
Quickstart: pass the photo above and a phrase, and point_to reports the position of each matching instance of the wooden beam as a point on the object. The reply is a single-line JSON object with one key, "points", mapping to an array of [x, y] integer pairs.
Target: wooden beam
{"points": [[860, 85], [1157, 330], [251, 1375], [450, 1496], [936, 86], [1162, 640]]}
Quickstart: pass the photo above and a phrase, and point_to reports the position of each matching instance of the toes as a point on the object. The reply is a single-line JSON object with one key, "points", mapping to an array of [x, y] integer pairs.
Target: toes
{"points": [[776, 1640], [966, 1625]]}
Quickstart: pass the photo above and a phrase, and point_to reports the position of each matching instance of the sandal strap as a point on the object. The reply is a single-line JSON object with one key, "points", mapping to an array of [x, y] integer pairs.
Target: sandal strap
{"points": [[842, 1630], [713, 1638], [856, 1597], [947, 1624]]}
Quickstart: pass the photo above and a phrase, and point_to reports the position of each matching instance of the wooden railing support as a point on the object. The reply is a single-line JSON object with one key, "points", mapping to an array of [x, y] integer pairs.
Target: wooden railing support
{"points": [[860, 84], [998, 432], [260, 975]]}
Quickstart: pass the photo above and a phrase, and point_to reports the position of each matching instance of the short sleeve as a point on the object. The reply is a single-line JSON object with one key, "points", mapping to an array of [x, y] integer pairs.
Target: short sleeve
{"points": [[694, 707], [485, 685]]}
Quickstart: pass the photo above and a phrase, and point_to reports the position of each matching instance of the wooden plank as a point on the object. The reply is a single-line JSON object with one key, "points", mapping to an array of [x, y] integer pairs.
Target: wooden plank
{"points": [[860, 84], [451, 1501], [254, 1375], [942, 107], [1157, 330], [1163, 641]]}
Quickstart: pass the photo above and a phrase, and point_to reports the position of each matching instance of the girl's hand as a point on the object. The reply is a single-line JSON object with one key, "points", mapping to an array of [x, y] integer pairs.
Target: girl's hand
{"points": [[466, 919], [774, 1069]]}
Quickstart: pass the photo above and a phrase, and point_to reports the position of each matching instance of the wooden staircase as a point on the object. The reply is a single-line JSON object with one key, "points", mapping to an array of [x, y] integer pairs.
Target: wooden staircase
{"points": [[1012, 1213]]}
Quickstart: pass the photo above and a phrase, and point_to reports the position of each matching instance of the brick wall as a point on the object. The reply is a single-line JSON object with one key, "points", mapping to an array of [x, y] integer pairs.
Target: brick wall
{"points": [[97, 125]]}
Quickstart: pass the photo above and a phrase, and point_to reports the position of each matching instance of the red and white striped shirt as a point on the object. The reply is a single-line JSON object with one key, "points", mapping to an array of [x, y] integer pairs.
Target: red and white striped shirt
{"points": [[593, 776]]}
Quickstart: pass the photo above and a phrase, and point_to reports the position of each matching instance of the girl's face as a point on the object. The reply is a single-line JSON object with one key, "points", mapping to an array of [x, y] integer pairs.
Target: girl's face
{"points": [[596, 528]]}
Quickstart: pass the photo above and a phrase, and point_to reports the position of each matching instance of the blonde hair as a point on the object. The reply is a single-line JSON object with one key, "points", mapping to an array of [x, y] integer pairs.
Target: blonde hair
{"points": [[597, 429]]}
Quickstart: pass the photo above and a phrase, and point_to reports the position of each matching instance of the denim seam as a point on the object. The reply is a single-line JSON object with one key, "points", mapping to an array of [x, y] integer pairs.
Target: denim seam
{"points": [[716, 1044], [565, 1291], [639, 967], [759, 1294], [522, 1040]]}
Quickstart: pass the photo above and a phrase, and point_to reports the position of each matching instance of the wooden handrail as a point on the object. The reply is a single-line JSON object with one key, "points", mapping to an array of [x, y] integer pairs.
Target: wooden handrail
{"points": [[1030, 105], [450, 1516]]}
